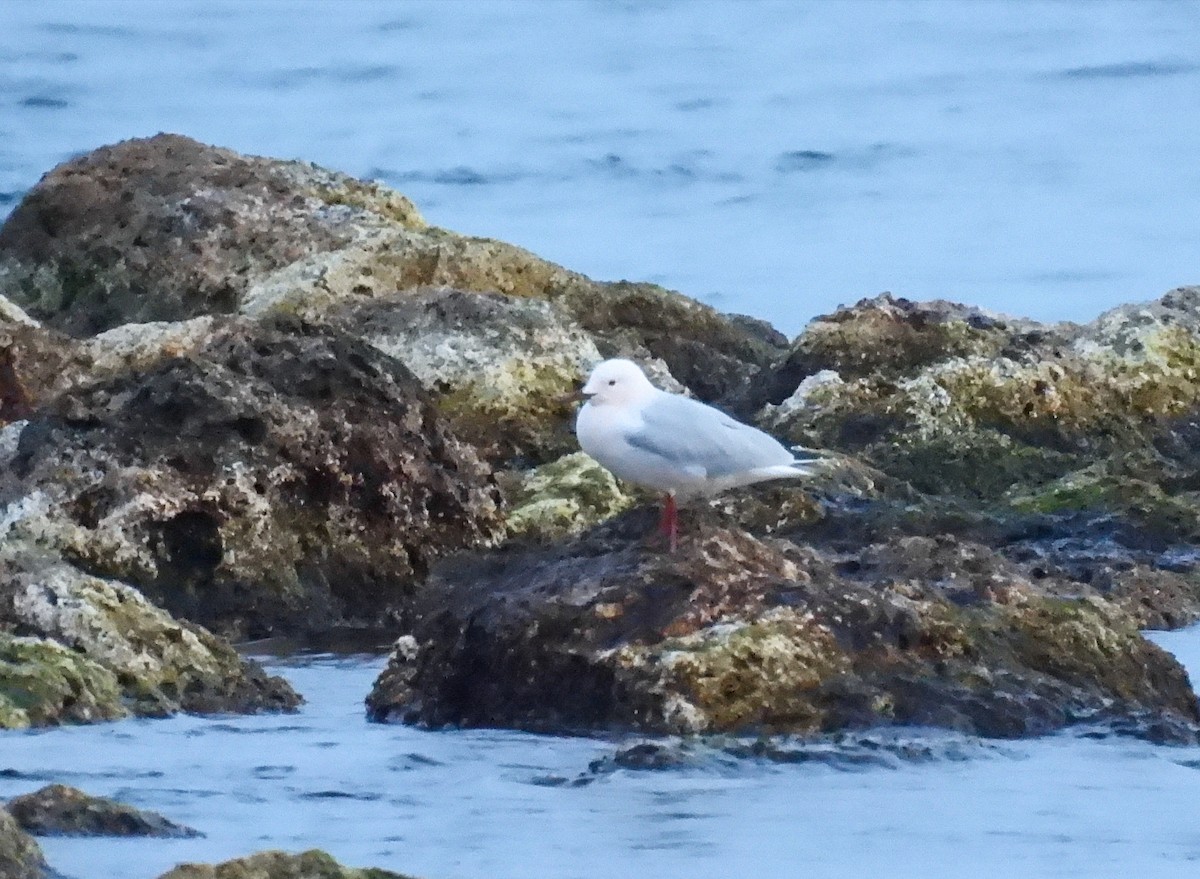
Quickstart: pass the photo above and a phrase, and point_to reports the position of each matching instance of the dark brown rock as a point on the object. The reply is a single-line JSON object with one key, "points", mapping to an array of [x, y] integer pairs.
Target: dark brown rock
{"points": [[165, 228], [60, 810], [281, 478], [738, 634]]}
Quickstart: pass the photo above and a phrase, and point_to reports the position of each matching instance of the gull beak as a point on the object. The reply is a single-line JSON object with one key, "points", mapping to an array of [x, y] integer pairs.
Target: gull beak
{"points": [[577, 396]]}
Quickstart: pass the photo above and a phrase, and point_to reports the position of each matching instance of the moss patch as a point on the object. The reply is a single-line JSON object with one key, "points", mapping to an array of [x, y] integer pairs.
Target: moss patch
{"points": [[46, 683]]}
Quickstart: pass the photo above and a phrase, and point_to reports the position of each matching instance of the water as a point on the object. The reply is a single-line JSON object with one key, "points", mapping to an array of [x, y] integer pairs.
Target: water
{"points": [[478, 805], [770, 158]]}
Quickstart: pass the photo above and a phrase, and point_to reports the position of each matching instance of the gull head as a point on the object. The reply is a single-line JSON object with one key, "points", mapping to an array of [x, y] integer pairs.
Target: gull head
{"points": [[617, 382]]}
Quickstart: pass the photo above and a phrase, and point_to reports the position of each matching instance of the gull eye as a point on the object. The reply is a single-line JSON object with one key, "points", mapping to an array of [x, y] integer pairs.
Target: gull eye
{"points": [[612, 381]]}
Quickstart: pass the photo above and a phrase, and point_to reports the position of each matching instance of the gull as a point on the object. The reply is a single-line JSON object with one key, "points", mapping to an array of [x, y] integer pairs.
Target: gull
{"points": [[671, 443]]}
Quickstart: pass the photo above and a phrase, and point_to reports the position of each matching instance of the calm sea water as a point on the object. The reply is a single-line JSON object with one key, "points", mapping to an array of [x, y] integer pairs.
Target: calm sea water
{"points": [[770, 158], [482, 805]]}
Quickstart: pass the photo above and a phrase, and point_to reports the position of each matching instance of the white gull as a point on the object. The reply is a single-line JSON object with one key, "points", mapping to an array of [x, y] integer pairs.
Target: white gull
{"points": [[671, 443]]}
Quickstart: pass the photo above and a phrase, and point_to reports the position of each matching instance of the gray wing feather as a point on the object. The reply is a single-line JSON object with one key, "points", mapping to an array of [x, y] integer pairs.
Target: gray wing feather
{"points": [[690, 434]]}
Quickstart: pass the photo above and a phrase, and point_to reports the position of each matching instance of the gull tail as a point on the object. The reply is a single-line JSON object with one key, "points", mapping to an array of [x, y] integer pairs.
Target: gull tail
{"points": [[806, 460]]}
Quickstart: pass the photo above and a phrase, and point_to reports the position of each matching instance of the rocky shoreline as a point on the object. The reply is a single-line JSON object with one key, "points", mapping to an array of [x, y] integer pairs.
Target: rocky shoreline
{"points": [[243, 397]]}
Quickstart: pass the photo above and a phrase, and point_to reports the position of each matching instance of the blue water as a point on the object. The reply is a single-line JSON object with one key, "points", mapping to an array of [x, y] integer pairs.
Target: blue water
{"points": [[770, 158], [483, 805]]}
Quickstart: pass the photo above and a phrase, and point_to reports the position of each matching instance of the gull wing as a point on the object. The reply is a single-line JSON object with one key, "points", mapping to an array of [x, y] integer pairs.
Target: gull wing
{"points": [[692, 435]]}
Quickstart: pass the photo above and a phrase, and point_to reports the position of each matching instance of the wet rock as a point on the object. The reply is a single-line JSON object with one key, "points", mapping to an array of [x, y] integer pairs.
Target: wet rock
{"points": [[649, 756], [739, 634], [20, 855], [59, 810], [312, 864], [281, 477], [103, 652], [1072, 444], [850, 752]]}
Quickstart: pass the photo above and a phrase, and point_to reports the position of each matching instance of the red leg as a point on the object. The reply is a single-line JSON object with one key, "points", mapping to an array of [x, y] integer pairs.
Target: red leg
{"points": [[671, 523]]}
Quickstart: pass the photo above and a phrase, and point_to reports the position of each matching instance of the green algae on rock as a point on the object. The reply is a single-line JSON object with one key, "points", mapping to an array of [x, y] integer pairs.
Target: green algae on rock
{"points": [[140, 660], [20, 855], [61, 810], [43, 683], [313, 864], [563, 498]]}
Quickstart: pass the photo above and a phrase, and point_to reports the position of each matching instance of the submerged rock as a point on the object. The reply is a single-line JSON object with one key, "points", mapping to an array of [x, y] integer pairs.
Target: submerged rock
{"points": [[60, 810], [280, 478], [738, 634], [20, 855], [312, 864]]}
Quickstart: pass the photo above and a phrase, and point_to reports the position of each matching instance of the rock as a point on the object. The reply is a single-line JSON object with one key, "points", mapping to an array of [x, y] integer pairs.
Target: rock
{"points": [[1072, 445], [312, 864], [34, 361], [165, 228], [20, 855], [43, 683], [740, 634], [103, 652], [888, 337], [59, 810], [498, 366], [280, 478], [563, 498]]}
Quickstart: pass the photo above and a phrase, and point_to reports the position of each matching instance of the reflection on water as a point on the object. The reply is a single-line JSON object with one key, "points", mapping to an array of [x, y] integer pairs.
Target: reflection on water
{"points": [[774, 159], [497, 804]]}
